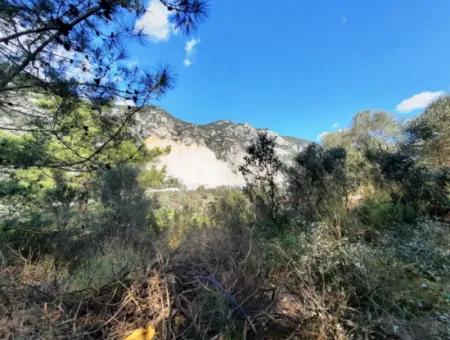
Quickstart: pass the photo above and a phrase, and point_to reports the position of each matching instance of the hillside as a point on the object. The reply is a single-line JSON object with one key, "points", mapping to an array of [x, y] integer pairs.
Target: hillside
{"points": [[205, 155]]}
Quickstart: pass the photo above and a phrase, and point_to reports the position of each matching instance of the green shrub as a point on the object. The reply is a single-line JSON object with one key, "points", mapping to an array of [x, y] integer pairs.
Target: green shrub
{"points": [[382, 214]]}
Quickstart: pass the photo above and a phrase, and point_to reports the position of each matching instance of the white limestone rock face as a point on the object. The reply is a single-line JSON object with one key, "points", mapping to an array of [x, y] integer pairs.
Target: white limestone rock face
{"points": [[195, 165]]}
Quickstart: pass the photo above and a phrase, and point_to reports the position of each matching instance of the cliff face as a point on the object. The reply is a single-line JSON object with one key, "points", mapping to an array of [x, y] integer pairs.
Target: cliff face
{"points": [[205, 155]]}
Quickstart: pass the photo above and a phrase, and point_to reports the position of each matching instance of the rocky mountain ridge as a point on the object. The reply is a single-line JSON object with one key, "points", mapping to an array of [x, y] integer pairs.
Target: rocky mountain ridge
{"points": [[205, 155]]}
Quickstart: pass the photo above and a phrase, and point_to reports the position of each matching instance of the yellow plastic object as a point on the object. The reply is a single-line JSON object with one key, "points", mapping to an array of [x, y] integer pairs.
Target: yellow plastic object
{"points": [[142, 334]]}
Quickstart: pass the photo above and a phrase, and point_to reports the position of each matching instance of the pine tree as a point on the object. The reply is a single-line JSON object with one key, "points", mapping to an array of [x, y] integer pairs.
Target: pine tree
{"points": [[72, 54]]}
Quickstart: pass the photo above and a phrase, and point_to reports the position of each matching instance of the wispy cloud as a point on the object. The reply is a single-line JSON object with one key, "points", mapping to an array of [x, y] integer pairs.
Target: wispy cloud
{"points": [[344, 20], [419, 101], [321, 135], [155, 23], [190, 51]]}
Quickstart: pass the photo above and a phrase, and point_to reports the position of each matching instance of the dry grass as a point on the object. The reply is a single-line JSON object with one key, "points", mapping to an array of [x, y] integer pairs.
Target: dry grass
{"points": [[175, 294], [224, 283]]}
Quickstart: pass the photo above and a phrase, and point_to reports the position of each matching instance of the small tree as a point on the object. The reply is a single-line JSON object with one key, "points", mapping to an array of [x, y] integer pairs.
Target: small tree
{"points": [[316, 179], [260, 169]]}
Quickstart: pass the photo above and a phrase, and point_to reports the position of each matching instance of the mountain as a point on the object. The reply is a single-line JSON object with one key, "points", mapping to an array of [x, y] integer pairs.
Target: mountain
{"points": [[205, 155]]}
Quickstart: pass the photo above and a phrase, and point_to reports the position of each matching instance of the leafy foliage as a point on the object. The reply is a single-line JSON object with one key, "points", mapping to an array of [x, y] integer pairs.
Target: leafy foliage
{"points": [[370, 131], [84, 144]]}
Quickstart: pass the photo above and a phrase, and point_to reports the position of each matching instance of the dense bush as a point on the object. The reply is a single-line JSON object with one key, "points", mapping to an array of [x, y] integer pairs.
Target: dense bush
{"points": [[316, 180], [426, 190]]}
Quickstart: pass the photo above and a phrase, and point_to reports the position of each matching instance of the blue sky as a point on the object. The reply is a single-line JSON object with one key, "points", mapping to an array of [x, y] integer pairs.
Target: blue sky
{"points": [[302, 67]]}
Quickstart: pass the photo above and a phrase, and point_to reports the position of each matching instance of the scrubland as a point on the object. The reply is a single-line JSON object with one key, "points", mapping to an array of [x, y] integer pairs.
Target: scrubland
{"points": [[355, 245]]}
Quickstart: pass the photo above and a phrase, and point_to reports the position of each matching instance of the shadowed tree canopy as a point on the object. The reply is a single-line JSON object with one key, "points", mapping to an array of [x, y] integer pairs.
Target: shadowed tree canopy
{"points": [[71, 53], [429, 134], [317, 175]]}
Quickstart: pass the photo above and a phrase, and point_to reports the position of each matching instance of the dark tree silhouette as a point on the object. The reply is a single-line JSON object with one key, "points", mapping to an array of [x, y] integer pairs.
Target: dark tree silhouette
{"points": [[260, 169], [316, 175]]}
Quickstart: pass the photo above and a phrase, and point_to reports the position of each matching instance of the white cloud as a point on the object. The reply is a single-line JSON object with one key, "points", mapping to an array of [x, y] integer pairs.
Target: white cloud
{"points": [[321, 135], [190, 45], [418, 101], [336, 125], [190, 51], [155, 23]]}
